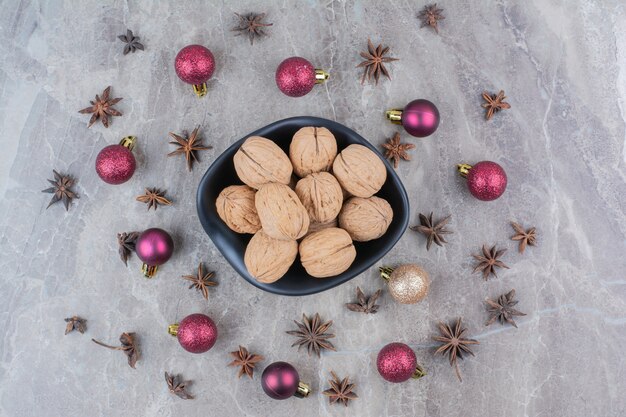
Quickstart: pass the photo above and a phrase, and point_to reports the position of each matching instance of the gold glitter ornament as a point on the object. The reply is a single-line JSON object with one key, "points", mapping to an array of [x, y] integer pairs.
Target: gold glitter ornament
{"points": [[407, 284]]}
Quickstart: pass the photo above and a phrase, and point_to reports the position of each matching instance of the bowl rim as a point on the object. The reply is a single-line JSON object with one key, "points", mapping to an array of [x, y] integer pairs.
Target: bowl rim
{"points": [[324, 284]]}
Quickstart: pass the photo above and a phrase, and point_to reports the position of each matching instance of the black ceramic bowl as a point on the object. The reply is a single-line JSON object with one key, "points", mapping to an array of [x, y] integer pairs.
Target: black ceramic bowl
{"points": [[296, 281]]}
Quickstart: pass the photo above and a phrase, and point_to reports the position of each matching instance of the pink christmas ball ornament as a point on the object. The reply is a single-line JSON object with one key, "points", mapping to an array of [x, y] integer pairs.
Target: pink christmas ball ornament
{"points": [[280, 380], [486, 180], [115, 164], [154, 247], [396, 362], [196, 333], [420, 118], [194, 65], [296, 76]]}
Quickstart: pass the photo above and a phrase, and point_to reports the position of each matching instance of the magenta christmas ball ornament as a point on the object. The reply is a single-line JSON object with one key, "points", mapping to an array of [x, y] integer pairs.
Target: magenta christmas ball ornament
{"points": [[196, 333], [420, 118], [396, 362], [296, 76], [154, 247], [486, 180], [115, 164], [194, 65], [280, 380]]}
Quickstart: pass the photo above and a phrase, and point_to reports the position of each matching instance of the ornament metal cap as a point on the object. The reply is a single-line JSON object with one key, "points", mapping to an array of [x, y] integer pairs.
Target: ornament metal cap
{"points": [[463, 169], [407, 284], [321, 76], [129, 142], [172, 329], [394, 116], [303, 390], [385, 272], [200, 89], [149, 270], [419, 372]]}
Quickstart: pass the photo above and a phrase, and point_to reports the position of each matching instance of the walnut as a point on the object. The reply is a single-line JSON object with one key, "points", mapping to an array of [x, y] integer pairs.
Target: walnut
{"points": [[312, 149], [259, 161], [268, 259], [235, 206], [327, 253], [365, 218], [360, 171], [282, 214], [321, 194]]}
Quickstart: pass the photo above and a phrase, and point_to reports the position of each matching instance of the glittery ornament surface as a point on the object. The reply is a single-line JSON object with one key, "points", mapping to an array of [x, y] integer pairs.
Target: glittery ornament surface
{"points": [[408, 284], [396, 362], [486, 180], [194, 64], [420, 118], [197, 333], [154, 246], [115, 164], [295, 76], [280, 380]]}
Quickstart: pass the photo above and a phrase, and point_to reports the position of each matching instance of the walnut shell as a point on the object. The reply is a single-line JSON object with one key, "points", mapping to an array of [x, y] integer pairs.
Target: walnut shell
{"points": [[268, 259], [365, 218], [312, 149], [260, 161], [321, 194], [359, 171], [327, 253], [282, 214], [235, 206]]}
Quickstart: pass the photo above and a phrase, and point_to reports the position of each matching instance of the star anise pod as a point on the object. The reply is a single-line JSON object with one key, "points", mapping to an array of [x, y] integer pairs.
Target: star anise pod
{"points": [[61, 188], [131, 41], [245, 360], [126, 242], [201, 281], [502, 309], [341, 391], [75, 323], [102, 108], [395, 151], [374, 63], [525, 237], [433, 232], [252, 25], [154, 197], [312, 334], [188, 146], [454, 344], [129, 347], [178, 387], [494, 103], [365, 304], [488, 261], [430, 16]]}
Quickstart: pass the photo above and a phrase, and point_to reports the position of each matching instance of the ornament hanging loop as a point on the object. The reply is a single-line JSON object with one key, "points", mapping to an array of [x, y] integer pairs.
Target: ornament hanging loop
{"points": [[394, 116], [463, 169], [200, 89], [173, 329]]}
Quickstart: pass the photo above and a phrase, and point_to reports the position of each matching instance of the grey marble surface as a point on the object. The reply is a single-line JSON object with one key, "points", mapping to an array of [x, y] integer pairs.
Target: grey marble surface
{"points": [[561, 62]]}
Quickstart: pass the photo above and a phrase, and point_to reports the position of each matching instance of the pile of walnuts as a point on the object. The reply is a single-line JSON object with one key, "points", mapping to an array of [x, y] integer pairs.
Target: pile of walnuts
{"points": [[314, 202]]}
